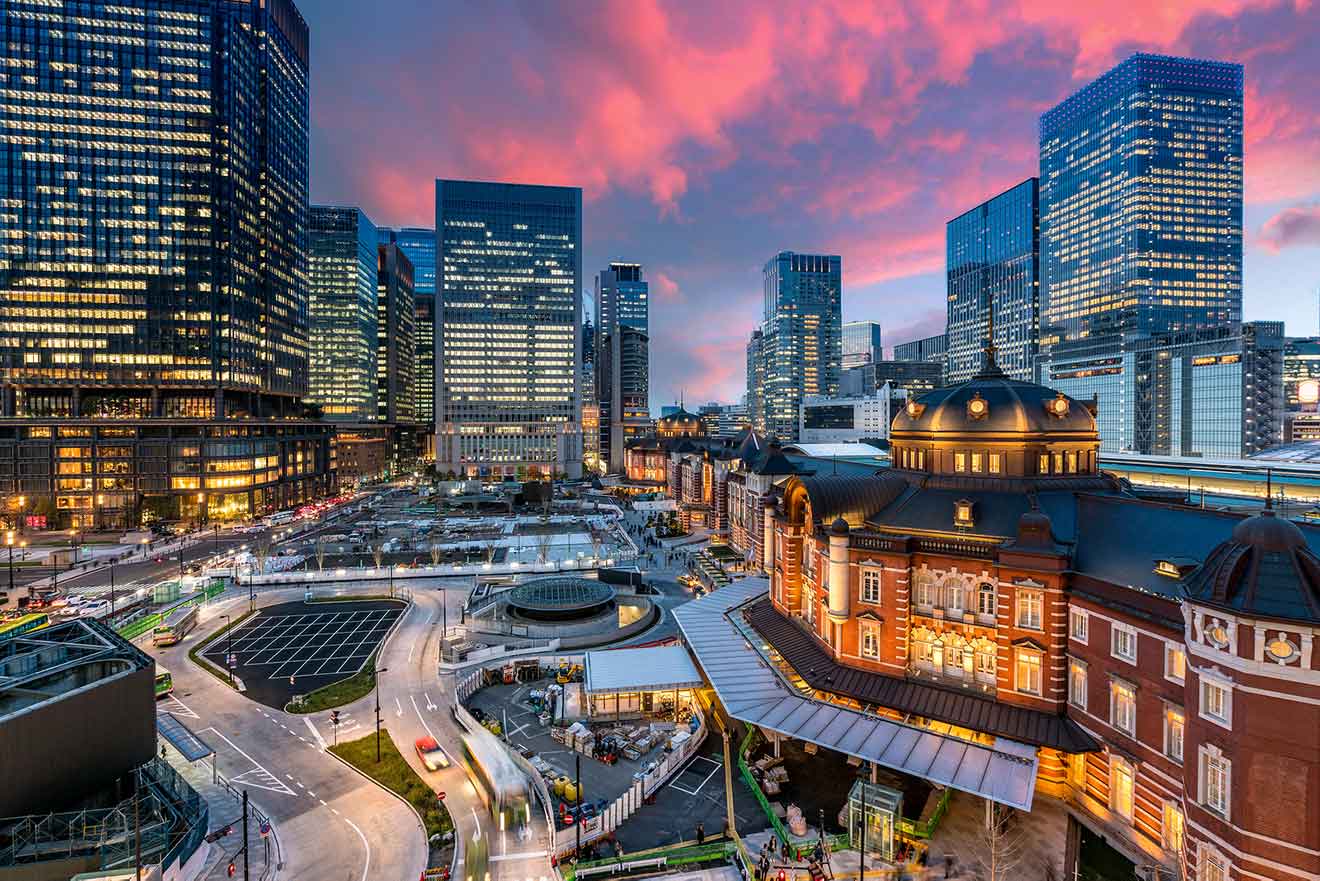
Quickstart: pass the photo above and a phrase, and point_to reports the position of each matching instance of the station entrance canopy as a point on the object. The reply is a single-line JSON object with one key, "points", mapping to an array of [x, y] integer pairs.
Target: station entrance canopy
{"points": [[752, 692]]}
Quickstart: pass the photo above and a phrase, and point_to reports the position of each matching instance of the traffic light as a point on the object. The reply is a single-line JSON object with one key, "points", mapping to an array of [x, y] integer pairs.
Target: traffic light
{"points": [[334, 717]]}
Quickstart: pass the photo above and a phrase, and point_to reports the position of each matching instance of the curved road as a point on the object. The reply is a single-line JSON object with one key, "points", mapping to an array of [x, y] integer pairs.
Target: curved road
{"points": [[332, 823]]}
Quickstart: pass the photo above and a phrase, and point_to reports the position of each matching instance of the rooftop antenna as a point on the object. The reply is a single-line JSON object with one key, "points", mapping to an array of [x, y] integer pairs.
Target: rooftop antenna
{"points": [[989, 367], [1269, 490]]}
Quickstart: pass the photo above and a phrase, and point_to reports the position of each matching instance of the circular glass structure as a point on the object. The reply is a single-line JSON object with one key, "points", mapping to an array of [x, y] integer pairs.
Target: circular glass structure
{"points": [[560, 598]]}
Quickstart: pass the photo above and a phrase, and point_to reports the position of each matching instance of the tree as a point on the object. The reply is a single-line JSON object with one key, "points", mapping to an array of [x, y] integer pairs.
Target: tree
{"points": [[436, 554], [1003, 841], [320, 552], [543, 542], [262, 551], [378, 553]]}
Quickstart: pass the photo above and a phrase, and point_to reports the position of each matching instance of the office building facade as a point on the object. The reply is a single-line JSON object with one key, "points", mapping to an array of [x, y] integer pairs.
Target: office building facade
{"points": [[153, 277], [1301, 372], [861, 344], [622, 359], [1141, 201], [755, 380], [1216, 392], [508, 278], [801, 336], [846, 419], [396, 337], [418, 245], [931, 348], [993, 259], [917, 377], [342, 310]]}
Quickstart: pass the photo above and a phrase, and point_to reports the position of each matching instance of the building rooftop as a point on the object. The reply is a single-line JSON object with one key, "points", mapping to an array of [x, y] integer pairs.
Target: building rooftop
{"points": [[640, 669], [45, 665]]}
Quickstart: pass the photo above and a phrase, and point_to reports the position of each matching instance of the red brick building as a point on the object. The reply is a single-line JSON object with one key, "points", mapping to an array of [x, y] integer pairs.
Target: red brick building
{"points": [[1161, 659]]}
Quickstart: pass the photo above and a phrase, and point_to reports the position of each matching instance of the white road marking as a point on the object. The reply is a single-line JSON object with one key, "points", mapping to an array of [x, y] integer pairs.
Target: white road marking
{"points": [[398, 706], [420, 717], [366, 868], [315, 733], [429, 704], [183, 709], [411, 649], [263, 778]]}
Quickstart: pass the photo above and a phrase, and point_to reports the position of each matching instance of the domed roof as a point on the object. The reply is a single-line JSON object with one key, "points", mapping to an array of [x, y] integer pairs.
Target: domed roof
{"points": [[992, 403], [1266, 568], [679, 415]]}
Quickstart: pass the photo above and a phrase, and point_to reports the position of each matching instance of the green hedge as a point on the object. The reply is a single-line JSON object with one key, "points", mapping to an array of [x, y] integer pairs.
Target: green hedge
{"points": [[395, 774], [337, 694]]}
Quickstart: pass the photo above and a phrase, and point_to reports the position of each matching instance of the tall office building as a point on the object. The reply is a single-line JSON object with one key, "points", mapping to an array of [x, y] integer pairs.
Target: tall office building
{"points": [[993, 260], [342, 266], [1141, 201], [396, 337], [508, 277], [1216, 392], [1301, 371], [755, 380], [801, 336], [861, 343], [153, 180], [622, 359], [418, 245]]}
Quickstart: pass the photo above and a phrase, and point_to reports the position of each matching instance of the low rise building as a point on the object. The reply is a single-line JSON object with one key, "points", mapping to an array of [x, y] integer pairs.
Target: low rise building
{"points": [[830, 420]]}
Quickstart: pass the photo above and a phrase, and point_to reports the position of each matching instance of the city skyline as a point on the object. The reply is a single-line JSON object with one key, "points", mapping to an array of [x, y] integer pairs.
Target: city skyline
{"points": [[889, 156]]}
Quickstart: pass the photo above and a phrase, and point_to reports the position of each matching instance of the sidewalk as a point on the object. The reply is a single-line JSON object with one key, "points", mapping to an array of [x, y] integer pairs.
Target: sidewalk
{"points": [[226, 806]]}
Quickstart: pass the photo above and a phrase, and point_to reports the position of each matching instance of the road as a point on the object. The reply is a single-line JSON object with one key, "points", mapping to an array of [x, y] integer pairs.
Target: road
{"points": [[332, 823]]}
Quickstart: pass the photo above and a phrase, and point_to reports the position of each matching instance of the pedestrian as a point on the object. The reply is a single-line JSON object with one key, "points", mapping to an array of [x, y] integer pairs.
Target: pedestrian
{"points": [[701, 834]]}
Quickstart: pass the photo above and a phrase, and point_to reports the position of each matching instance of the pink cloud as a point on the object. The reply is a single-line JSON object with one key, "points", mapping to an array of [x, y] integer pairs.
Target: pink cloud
{"points": [[1298, 225], [666, 289]]}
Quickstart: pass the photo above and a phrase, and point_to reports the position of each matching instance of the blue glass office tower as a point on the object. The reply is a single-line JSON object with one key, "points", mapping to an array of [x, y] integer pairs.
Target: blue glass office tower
{"points": [[801, 336], [153, 276], [418, 245], [509, 309], [993, 260], [861, 344], [622, 353], [343, 270], [1141, 201]]}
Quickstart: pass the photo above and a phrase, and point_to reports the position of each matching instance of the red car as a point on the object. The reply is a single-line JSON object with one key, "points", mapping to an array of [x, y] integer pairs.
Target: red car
{"points": [[432, 756]]}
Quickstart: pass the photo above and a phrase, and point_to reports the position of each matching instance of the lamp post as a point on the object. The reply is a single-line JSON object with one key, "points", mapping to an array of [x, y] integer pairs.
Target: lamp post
{"points": [[229, 651], [22, 504], [9, 541], [112, 588], [378, 672]]}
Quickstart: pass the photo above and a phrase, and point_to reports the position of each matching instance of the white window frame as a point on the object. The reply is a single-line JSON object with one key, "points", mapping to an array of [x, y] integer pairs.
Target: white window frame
{"points": [[925, 585], [1127, 726], [996, 463], [1077, 698], [1209, 753], [1172, 651], [1025, 652], [1172, 712], [1206, 854], [1115, 628], [1117, 767], [1170, 841], [1025, 596], [987, 589], [868, 629], [1209, 683], [1075, 633], [872, 578]]}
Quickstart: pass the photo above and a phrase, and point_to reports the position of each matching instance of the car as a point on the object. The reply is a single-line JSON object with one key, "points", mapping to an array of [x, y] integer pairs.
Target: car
{"points": [[432, 756]]}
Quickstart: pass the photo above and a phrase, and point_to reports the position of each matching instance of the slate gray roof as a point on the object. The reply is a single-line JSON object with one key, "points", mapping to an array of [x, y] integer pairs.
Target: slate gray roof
{"points": [[956, 707]]}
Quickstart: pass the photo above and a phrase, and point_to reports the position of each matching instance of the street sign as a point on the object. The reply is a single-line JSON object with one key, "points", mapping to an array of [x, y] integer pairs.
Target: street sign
{"points": [[233, 660], [440, 795], [264, 828]]}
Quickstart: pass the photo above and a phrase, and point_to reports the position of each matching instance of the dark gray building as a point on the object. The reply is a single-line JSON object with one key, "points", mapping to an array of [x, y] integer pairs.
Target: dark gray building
{"points": [[914, 377], [508, 277], [342, 269], [396, 337], [931, 348], [418, 244], [993, 259], [160, 288], [622, 359]]}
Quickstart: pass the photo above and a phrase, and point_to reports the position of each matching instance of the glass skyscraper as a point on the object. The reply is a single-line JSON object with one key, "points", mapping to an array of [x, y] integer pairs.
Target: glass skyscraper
{"points": [[861, 344], [396, 337], [342, 267], [801, 336], [1141, 201], [419, 246], [153, 278], [993, 260], [509, 277], [622, 353]]}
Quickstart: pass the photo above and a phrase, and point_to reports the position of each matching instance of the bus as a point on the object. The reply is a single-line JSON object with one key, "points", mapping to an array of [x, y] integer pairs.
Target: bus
{"points": [[278, 519], [177, 624], [164, 682], [22, 625], [500, 784]]}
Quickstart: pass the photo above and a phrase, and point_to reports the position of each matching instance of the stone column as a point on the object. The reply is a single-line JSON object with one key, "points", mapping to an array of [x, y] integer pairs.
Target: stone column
{"points": [[840, 590]]}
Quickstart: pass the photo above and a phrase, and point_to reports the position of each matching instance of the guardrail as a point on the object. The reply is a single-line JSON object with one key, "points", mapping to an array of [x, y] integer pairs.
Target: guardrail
{"points": [[669, 856], [743, 749]]}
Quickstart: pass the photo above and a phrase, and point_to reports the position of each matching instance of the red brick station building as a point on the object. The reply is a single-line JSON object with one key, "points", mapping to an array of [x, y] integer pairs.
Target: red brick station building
{"points": [[993, 583]]}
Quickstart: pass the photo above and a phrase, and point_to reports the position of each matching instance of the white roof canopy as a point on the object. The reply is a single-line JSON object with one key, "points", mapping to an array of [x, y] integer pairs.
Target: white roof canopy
{"points": [[653, 668], [753, 692]]}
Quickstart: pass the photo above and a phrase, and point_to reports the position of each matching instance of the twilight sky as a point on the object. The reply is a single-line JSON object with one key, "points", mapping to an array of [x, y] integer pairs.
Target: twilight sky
{"points": [[708, 136]]}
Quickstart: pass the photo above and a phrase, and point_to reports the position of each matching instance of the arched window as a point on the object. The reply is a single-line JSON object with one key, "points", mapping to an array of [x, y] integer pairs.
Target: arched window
{"points": [[985, 599], [924, 589], [954, 649], [922, 642], [953, 594]]}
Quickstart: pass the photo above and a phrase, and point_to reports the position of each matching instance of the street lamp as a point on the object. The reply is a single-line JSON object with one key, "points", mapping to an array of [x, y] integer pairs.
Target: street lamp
{"points": [[229, 652], [9, 541], [112, 588], [378, 672], [22, 503]]}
